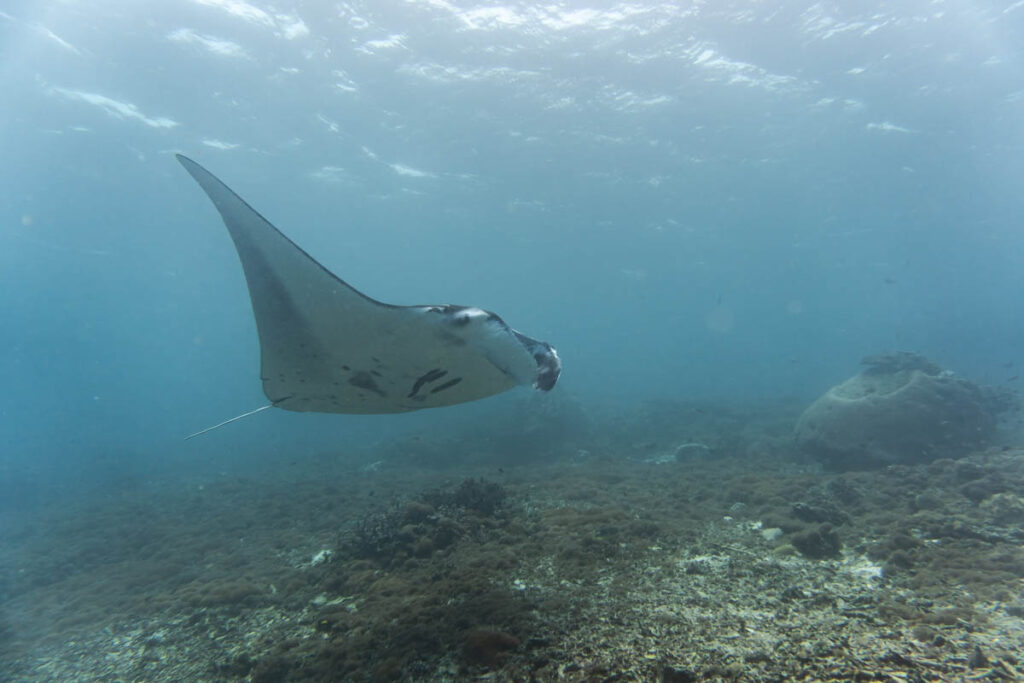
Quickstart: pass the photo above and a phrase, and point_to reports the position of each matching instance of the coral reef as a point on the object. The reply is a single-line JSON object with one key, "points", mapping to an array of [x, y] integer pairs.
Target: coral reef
{"points": [[740, 566], [902, 408]]}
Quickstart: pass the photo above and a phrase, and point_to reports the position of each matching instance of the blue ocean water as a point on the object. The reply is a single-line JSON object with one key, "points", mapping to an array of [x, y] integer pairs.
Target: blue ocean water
{"points": [[702, 200]]}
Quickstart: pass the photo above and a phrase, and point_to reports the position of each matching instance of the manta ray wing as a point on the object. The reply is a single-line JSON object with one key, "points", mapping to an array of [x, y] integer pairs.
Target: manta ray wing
{"points": [[326, 347]]}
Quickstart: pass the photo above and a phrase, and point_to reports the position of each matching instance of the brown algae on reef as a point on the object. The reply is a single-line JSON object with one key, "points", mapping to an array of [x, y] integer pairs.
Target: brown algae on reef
{"points": [[615, 565]]}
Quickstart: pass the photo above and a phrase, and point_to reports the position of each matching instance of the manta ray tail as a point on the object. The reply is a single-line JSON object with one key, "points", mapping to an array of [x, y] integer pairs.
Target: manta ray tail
{"points": [[227, 422]]}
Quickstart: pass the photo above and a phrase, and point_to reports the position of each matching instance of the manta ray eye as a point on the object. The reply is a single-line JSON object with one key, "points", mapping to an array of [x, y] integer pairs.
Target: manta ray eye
{"points": [[462, 318]]}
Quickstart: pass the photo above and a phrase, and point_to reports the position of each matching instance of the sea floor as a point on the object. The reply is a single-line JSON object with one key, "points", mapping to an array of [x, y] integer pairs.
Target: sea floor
{"points": [[626, 561]]}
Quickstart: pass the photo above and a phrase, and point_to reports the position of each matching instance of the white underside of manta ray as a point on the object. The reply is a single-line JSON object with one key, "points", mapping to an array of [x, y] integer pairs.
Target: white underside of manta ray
{"points": [[326, 347]]}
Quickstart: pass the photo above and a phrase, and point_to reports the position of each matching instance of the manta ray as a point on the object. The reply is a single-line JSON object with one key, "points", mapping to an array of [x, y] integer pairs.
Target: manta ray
{"points": [[327, 347]]}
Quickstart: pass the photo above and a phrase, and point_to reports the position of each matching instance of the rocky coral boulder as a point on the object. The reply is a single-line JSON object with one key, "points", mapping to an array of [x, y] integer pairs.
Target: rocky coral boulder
{"points": [[901, 409]]}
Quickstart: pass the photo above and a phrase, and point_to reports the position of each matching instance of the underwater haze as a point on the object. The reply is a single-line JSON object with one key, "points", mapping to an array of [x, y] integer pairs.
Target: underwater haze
{"points": [[714, 210], [726, 200]]}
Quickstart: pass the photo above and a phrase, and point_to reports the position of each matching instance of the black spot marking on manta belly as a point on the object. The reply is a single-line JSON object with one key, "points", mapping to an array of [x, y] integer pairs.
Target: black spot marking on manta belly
{"points": [[447, 385], [364, 380], [435, 374]]}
